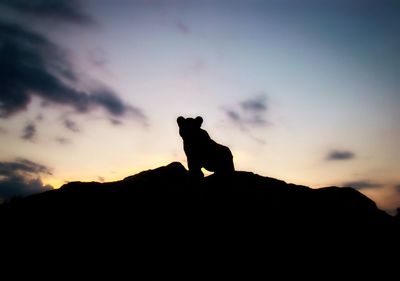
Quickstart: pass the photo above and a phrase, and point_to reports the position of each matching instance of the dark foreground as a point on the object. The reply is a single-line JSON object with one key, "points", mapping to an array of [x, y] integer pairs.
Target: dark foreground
{"points": [[162, 217]]}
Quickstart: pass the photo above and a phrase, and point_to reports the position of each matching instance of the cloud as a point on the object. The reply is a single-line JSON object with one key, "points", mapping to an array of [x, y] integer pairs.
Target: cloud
{"points": [[257, 104], [31, 65], [113, 104], [234, 116], [24, 166], [71, 125], [22, 177], [60, 10], [249, 113], [362, 184], [29, 132], [21, 187], [340, 155]]}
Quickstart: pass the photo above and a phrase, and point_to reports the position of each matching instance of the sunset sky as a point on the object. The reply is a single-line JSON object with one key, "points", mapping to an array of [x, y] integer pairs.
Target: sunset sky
{"points": [[304, 91]]}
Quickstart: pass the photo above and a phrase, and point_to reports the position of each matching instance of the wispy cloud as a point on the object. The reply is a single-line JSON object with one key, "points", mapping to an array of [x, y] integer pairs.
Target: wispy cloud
{"points": [[362, 184], [233, 116], [249, 113], [71, 125], [256, 105], [29, 132], [340, 155], [33, 65], [61, 10], [23, 165]]}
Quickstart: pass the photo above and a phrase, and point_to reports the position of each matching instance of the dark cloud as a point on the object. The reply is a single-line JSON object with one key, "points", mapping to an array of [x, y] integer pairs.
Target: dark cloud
{"points": [[32, 65], [21, 187], [257, 104], [71, 125], [24, 166], [113, 104], [340, 155], [362, 184], [29, 132], [59, 10], [21, 177], [249, 113], [233, 115]]}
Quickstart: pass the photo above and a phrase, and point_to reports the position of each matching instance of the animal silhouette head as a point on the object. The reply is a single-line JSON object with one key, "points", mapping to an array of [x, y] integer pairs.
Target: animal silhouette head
{"points": [[189, 127]]}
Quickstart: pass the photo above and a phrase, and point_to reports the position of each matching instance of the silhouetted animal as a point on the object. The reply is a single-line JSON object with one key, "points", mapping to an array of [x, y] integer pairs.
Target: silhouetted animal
{"points": [[201, 151]]}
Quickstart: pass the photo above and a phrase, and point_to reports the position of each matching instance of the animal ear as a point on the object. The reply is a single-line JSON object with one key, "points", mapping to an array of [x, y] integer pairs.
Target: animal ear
{"points": [[180, 120], [199, 120]]}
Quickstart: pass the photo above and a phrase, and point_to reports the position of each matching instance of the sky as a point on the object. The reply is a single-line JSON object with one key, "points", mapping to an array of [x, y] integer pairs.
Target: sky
{"points": [[304, 91]]}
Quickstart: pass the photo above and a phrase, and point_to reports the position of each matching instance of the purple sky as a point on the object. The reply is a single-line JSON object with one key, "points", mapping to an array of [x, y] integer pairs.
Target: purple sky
{"points": [[307, 93]]}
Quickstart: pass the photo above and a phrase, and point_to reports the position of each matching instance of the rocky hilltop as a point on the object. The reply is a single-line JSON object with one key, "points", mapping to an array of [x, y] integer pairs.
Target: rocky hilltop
{"points": [[165, 207]]}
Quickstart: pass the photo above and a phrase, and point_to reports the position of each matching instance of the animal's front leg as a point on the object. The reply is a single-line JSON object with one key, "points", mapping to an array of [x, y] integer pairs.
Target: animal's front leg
{"points": [[195, 168]]}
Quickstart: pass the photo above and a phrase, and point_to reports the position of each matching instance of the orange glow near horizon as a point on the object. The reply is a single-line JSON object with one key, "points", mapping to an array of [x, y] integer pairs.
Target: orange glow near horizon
{"points": [[287, 87]]}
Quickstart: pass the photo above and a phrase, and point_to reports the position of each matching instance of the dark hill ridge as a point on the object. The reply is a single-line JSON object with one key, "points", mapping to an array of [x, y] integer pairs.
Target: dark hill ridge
{"points": [[165, 219], [165, 204], [169, 191]]}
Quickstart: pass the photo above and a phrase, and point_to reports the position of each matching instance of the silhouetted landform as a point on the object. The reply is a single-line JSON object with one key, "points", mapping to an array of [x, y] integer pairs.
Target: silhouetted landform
{"points": [[163, 223], [201, 151], [169, 197]]}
